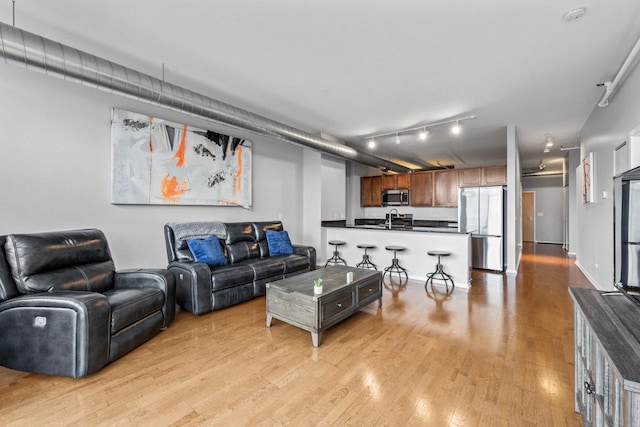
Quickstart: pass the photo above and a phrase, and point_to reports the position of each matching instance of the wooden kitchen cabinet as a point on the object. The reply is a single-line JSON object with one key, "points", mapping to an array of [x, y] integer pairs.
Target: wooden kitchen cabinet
{"points": [[495, 175], [491, 175], [370, 191], [394, 182], [445, 188], [421, 189], [470, 177]]}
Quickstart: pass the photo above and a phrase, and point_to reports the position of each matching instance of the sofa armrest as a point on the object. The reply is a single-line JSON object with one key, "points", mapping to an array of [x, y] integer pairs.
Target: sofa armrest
{"points": [[58, 333], [193, 286], [160, 279], [308, 251]]}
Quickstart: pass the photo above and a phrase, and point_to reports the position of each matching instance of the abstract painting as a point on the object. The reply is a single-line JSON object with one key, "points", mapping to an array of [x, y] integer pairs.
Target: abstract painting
{"points": [[587, 179], [155, 161]]}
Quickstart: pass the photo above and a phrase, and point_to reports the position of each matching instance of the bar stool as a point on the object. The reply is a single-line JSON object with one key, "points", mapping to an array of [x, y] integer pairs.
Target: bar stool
{"points": [[446, 278], [336, 258], [366, 263], [395, 267]]}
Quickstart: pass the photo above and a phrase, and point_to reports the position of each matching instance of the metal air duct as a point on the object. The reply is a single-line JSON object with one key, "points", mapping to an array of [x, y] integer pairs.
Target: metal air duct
{"points": [[37, 53]]}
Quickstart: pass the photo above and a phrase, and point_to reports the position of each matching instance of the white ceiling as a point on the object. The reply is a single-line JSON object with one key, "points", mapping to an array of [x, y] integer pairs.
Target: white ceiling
{"points": [[353, 68]]}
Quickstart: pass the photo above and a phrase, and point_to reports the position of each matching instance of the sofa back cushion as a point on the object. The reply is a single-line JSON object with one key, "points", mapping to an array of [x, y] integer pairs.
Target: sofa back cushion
{"points": [[260, 229], [8, 288], [176, 235], [240, 241], [64, 260]]}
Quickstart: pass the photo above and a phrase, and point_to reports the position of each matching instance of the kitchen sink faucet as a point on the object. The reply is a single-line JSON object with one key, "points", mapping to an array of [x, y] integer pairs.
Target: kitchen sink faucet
{"points": [[389, 220]]}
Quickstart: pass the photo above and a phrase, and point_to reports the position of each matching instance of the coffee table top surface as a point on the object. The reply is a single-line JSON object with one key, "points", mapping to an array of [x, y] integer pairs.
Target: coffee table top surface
{"points": [[333, 278]]}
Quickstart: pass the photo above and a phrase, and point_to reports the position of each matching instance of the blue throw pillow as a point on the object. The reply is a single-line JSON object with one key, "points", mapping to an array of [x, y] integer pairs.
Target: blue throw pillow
{"points": [[207, 251], [279, 243]]}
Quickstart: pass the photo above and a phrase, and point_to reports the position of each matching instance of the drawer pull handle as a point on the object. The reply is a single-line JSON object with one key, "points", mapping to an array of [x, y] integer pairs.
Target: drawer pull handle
{"points": [[588, 388], [339, 305]]}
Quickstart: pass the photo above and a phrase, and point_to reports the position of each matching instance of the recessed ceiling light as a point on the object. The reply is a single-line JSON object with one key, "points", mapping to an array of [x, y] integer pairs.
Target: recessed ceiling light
{"points": [[575, 13]]}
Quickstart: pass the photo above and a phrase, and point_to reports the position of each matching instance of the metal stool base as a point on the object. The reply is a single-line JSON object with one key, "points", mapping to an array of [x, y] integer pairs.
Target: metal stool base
{"points": [[366, 262], [446, 278], [395, 267], [336, 258]]}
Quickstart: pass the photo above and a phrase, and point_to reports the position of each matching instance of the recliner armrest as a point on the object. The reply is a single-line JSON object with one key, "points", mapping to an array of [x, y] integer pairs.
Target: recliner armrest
{"points": [[58, 333], [160, 279], [193, 286], [308, 251]]}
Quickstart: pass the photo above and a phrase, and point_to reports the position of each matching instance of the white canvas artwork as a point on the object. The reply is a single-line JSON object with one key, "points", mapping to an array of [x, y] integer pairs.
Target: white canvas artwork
{"points": [[155, 161]]}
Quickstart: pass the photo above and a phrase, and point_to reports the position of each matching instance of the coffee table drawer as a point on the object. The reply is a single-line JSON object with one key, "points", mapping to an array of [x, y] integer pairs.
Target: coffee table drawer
{"points": [[369, 290], [337, 304]]}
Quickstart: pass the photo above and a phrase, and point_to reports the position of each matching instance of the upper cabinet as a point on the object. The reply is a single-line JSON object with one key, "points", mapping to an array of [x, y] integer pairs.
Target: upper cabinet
{"points": [[491, 175], [430, 188], [371, 191], [445, 188], [421, 189], [394, 182]]}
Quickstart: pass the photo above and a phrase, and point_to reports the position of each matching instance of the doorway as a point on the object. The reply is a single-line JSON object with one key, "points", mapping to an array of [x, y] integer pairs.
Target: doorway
{"points": [[528, 216]]}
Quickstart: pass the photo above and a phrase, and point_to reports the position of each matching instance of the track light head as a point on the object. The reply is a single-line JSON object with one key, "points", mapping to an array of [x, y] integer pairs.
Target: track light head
{"points": [[422, 136], [456, 128]]}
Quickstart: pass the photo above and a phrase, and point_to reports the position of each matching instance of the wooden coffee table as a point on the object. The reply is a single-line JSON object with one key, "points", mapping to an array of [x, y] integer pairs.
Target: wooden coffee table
{"points": [[292, 299]]}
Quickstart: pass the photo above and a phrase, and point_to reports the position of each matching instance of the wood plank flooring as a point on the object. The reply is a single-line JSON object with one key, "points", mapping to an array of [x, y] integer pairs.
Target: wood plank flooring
{"points": [[500, 354]]}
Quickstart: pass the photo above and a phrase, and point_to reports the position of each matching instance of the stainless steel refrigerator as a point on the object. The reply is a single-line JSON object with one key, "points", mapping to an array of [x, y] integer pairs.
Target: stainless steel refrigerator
{"points": [[481, 211], [627, 231]]}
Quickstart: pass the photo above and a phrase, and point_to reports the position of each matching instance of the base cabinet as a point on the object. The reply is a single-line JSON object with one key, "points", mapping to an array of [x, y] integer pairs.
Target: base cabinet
{"points": [[606, 355]]}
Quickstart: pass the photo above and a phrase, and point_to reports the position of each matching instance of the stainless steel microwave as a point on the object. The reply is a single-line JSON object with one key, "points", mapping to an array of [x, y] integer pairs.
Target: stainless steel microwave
{"points": [[398, 197]]}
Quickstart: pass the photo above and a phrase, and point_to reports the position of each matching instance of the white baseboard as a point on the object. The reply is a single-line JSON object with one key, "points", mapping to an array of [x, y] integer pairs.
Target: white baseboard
{"points": [[589, 277], [548, 242], [571, 254]]}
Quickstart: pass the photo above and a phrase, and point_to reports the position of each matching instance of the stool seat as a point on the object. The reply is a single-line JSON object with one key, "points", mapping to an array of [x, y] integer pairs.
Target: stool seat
{"points": [[366, 246], [395, 266], [366, 263], [439, 253], [336, 242]]}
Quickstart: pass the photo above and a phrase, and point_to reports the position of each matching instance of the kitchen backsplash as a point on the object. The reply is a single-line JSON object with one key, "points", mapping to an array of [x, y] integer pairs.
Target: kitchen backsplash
{"points": [[447, 214]]}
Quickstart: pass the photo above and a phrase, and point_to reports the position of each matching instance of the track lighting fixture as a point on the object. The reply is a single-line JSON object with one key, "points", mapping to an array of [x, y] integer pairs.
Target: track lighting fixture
{"points": [[548, 141], [423, 130], [372, 143], [542, 165]]}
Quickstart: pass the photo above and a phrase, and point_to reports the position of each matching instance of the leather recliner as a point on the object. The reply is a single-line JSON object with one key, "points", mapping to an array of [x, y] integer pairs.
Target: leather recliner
{"points": [[201, 289], [64, 310]]}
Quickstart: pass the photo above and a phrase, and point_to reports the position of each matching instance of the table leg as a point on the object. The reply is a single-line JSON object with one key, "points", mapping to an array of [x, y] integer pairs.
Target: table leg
{"points": [[316, 337], [379, 302], [269, 318]]}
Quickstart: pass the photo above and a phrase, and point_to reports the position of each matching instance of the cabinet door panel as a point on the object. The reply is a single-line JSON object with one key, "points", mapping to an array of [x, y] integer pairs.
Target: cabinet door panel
{"points": [[388, 182], [376, 191], [470, 177], [495, 175], [445, 188], [421, 189], [402, 181]]}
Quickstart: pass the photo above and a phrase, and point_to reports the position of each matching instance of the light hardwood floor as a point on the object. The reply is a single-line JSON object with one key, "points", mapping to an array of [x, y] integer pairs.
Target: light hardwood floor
{"points": [[500, 354]]}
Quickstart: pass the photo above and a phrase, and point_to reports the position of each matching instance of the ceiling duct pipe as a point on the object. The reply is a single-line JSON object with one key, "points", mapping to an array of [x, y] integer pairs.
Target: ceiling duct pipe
{"points": [[611, 86], [37, 53]]}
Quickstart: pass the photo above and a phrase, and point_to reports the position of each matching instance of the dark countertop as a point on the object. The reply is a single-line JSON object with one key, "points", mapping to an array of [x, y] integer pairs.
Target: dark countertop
{"points": [[414, 228]]}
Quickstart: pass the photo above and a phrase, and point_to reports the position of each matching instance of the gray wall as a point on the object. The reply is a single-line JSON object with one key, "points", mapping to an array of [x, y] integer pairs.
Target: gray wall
{"points": [[605, 129], [548, 207], [55, 170]]}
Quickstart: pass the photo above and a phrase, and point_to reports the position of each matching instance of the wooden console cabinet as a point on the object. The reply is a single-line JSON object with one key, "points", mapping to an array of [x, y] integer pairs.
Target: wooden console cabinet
{"points": [[607, 358]]}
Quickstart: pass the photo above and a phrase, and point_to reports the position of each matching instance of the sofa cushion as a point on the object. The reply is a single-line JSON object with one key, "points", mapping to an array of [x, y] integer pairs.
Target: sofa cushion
{"points": [[177, 234], [208, 251], [294, 262], [77, 260], [260, 231], [131, 305], [239, 232], [229, 276], [279, 243], [265, 267]]}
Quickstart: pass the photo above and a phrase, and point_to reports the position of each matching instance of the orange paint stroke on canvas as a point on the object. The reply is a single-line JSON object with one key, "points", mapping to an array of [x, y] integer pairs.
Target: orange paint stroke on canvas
{"points": [[180, 154], [150, 127], [171, 190], [238, 175]]}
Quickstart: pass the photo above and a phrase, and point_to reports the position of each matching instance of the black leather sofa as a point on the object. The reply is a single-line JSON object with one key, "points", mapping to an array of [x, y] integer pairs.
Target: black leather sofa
{"points": [[201, 289], [64, 310]]}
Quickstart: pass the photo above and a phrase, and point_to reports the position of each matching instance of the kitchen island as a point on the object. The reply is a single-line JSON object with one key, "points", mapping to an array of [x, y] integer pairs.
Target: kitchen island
{"points": [[417, 240]]}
